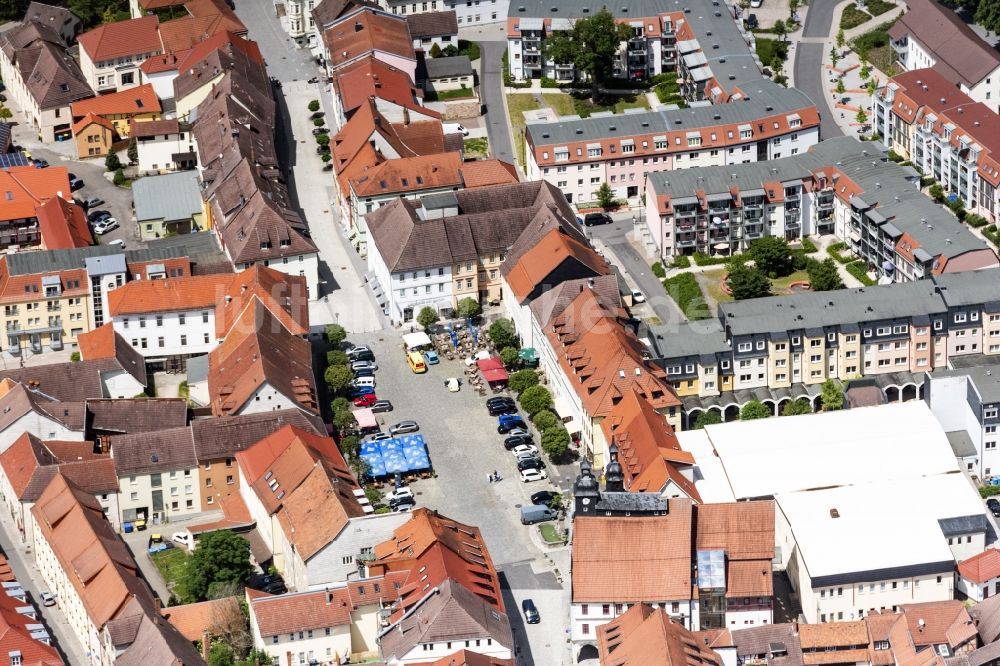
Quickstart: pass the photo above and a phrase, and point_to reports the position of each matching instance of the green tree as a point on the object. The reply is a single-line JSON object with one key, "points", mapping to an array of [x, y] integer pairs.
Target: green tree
{"points": [[605, 196], [345, 421], [796, 407], [522, 380], [840, 89], [75, 357], [555, 442], [823, 275], [335, 334], [326, 157], [450, 51], [360, 467], [754, 409], [314, 105], [220, 558], [862, 117], [771, 255], [111, 162], [746, 282], [865, 70], [509, 357], [5, 113], [871, 87], [338, 377], [936, 192], [831, 397], [793, 6], [435, 50], [987, 14], [323, 139], [427, 316], [220, 654], [133, 152], [502, 333], [468, 307], [336, 357], [834, 57], [340, 405], [534, 399], [841, 40], [119, 178], [777, 64], [349, 446], [780, 29], [546, 419], [256, 658], [706, 418], [590, 45]]}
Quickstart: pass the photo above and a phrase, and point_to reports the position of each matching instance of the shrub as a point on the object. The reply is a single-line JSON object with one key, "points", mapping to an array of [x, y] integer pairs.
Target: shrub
{"points": [[549, 83], [835, 252], [120, 179], [989, 491], [823, 276], [435, 51], [975, 221], [936, 192], [894, 156], [535, 399], [859, 269], [796, 407], [112, 163], [852, 17], [753, 410], [546, 419], [808, 246], [705, 260], [681, 261], [313, 106], [879, 7], [659, 271], [831, 396], [684, 289], [468, 48], [746, 282], [710, 417], [769, 49]]}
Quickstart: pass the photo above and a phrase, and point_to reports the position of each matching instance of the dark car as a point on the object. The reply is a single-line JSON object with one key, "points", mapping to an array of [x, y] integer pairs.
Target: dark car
{"points": [[325, 148], [320, 130], [498, 408], [516, 440], [529, 463], [317, 115], [543, 497], [993, 504], [508, 422], [596, 218], [364, 372], [381, 406], [41, 164], [752, 22], [98, 215], [531, 615], [267, 583]]}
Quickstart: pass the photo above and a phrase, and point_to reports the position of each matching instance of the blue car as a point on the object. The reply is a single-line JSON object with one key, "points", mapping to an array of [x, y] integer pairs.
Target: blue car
{"points": [[431, 358], [508, 422], [359, 391]]}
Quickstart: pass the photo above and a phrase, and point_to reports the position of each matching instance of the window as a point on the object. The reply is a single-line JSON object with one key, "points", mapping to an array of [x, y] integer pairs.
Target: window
{"points": [[744, 347], [585, 629]]}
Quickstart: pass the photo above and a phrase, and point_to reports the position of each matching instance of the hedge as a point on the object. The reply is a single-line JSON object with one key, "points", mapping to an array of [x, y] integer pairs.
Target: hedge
{"points": [[989, 491], [684, 289], [991, 234], [976, 221], [705, 260], [809, 246], [834, 251], [659, 271], [681, 261], [859, 269]]}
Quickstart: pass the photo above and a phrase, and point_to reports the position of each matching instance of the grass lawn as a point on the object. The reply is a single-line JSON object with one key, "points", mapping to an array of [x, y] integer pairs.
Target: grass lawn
{"points": [[517, 104], [460, 93], [713, 286], [561, 103], [586, 106], [170, 564], [549, 533], [879, 7], [479, 147], [852, 17], [780, 285]]}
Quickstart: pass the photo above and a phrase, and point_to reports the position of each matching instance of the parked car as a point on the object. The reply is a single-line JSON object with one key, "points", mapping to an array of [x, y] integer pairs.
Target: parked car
{"points": [[361, 356], [529, 462], [638, 296], [365, 400], [543, 497], [530, 474], [993, 504], [455, 128], [320, 130], [399, 493], [519, 432], [358, 391], [354, 353], [377, 437], [508, 422], [41, 164], [90, 202], [381, 406], [97, 215], [756, 4], [364, 365], [404, 427], [453, 384], [75, 183], [118, 243], [105, 225], [524, 448], [364, 372], [403, 507], [431, 357], [364, 381], [752, 22], [267, 583], [498, 408], [590, 219], [536, 514], [531, 615], [516, 440], [498, 399], [48, 599]]}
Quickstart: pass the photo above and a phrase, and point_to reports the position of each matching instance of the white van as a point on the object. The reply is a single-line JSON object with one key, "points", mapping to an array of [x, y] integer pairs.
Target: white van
{"points": [[185, 539], [455, 128], [363, 381]]}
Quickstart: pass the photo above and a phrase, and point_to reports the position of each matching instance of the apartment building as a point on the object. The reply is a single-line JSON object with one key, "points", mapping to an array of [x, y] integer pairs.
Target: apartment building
{"points": [[579, 155], [706, 566], [782, 348], [326, 13], [364, 31], [840, 186], [110, 54], [465, 13], [472, 231], [930, 35], [164, 146], [966, 401], [41, 78], [43, 310], [298, 20], [951, 138]]}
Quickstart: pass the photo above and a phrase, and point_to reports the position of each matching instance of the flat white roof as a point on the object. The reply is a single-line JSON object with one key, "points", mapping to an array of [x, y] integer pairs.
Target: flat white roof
{"points": [[879, 525], [765, 457]]}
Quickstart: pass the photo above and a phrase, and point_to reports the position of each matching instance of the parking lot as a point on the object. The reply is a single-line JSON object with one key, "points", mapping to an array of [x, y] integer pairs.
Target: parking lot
{"points": [[464, 448]]}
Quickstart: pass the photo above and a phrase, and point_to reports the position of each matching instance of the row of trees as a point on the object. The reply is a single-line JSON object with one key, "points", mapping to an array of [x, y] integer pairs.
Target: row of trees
{"points": [[537, 402], [338, 378], [466, 308], [831, 398]]}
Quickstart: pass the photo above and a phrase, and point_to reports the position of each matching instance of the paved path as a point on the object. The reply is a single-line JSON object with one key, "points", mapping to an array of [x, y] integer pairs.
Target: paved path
{"points": [[284, 61], [491, 90]]}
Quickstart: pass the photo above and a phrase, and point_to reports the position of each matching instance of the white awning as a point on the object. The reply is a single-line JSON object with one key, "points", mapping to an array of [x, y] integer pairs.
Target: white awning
{"points": [[564, 409], [416, 340]]}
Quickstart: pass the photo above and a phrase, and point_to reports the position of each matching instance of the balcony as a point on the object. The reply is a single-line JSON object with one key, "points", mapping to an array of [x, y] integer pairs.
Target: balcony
{"points": [[687, 241], [684, 214], [53, 307], [532, 45]]}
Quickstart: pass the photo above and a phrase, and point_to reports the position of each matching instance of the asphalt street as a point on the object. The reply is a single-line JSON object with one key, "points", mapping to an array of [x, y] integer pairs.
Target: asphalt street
{"points": [[809, 75], [284, 61], [491, 90], [819, 18]]}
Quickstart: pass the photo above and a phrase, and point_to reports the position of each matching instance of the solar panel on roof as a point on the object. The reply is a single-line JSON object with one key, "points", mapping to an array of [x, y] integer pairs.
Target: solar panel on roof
{"points": [[8, 160]]}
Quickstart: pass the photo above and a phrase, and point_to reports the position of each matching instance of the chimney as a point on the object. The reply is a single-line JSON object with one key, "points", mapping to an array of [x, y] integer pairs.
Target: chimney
{"points": [[921, 624]]}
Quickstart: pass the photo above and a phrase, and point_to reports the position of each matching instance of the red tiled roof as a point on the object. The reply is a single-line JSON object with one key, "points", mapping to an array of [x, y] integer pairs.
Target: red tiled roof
{"points": [[483, 173], [24, 188], [195, 620], [91, 119], [409, 174], [370, 77], [218, 41], [160, 63], [63, 225], [134, 37], [550, 254], [982, 567], [645, 636], [98, 343], [141, 99], [368, 31]]}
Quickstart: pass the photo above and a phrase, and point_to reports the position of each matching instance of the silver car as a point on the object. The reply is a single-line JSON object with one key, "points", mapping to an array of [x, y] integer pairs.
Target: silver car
{"points": [[404, 427]]}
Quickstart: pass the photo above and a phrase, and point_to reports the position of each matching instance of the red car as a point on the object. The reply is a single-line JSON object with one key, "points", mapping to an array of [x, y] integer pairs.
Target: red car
{"points": [[365, 400]]}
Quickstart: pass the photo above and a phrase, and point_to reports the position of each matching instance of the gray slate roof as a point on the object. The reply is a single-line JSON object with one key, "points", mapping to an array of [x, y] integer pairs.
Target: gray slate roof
{"points": [[445, 67], [173, 196]]}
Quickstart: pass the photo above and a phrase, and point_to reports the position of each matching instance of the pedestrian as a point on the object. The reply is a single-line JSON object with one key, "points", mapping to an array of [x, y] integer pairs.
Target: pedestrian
{"points": [[496, 475], [489, 478]]}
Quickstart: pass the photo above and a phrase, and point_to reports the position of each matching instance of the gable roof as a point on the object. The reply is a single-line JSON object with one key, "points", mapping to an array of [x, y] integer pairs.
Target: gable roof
{"points": [[745, 531], [645, 636], [30, 464], [63, 225], [470, 658], [483, 173], [141, 99], [409, 174], [982, 567], [448, 612], [369, 77], [432, 24], [135, 415], [943, 622], [96, 561], [25, 189], [134, 37], [304, 480], [52, 77], [365, 31], [194, 620], [555, 251], [652, 556], [329, 11]]}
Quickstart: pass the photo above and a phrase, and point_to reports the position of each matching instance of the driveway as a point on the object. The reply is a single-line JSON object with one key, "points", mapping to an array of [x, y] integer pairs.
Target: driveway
{"points": [[465, 448]]}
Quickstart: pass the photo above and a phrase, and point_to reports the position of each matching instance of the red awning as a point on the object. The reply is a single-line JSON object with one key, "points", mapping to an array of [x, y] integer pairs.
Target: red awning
{"points": [[491, 363], [495, 375]]}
